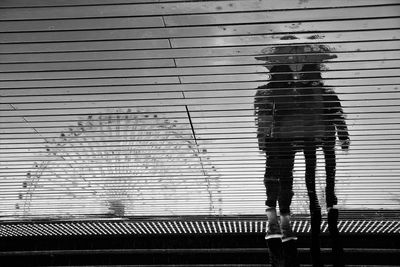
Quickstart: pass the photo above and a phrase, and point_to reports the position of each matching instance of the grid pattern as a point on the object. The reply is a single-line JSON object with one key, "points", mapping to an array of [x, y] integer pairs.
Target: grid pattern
{"points": [[157, 227]]}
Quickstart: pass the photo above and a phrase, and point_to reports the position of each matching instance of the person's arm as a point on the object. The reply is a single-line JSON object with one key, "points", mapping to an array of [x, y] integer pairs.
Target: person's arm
{"points": [[263, 110], [336, 116]]}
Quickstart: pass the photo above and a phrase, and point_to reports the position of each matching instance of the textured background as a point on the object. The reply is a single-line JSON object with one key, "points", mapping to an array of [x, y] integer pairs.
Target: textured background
{"points": [[145, 107]]}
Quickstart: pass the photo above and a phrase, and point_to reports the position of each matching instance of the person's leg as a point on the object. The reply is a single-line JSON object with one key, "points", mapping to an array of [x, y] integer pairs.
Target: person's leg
{"points": [[337, 247], [330, 170], [311, 164], [286, 164], [276, 258], [315, 209], [289, 243], [271, 183], [289, 249], [286, 192], [284, 168], [331, 201]]}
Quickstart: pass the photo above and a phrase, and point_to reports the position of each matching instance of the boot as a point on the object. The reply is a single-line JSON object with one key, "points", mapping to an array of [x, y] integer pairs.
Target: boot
{"points": [[337, 248], [286, 228], [315, 234], [273, 230], [290, 253], [275, 252]]}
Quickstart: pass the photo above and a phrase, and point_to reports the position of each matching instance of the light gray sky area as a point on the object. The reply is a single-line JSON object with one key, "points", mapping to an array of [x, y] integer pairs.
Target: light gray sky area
{"points": [[146, 107]]}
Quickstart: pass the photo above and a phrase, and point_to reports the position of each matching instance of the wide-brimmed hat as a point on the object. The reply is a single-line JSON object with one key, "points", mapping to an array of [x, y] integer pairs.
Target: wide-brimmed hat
{"points": [[292, 54]]}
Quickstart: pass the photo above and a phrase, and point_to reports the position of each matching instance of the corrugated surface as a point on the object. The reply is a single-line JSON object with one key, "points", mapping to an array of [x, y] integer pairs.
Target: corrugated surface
{"points": [[146, 107], [186, 227], [355, 222]]}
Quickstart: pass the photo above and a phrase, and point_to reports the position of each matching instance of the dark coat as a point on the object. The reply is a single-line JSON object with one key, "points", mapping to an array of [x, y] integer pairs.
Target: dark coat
{"points": [[287, 110]]}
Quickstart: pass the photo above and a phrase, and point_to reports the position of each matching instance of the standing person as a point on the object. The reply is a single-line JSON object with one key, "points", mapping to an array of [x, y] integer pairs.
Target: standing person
{"points": [[293, 112], [335, 119], [270, 99]]}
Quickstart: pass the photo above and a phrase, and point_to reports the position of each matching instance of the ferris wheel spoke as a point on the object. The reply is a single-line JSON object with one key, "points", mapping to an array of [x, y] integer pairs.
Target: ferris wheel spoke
{"points": [[122, 181]]}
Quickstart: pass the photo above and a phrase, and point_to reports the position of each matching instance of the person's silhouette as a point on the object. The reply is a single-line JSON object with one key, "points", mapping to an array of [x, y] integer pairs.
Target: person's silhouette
{"points": [[294, 111]]}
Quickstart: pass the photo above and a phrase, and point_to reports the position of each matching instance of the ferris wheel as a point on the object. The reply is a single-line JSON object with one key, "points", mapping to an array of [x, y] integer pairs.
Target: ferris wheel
{"points": [[122, 163]]}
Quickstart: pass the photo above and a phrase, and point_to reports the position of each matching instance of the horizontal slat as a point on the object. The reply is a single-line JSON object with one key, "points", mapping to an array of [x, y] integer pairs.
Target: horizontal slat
{"points": [[54, 214], [32, 138], [252, 50], [78, 184], [326, 37], [178, 150], [125, 127], [179, 207], [274, 39], [369, 62], [180, 174], [347, 59], [182, 32], [372, 71], [20, 171], [178, 203], [173, 8], [258, 78], [294, 16], [61, 3], [179, 198], [358, 149], [51, 190], [80, 24], [376, 104], [110, 81], [85, 46], [130, 125], [198, 90], [108, 65], [174, 209], [205, 109], [209, 117], [72, 125]]}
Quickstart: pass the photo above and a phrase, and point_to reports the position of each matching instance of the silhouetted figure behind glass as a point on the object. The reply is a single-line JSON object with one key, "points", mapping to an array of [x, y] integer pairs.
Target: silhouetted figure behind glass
{"points": [[294, 112]]}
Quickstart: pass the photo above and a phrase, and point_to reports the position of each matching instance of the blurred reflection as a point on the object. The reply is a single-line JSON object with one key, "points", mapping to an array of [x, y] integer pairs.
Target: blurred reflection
{"points": [[295, 111]]}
